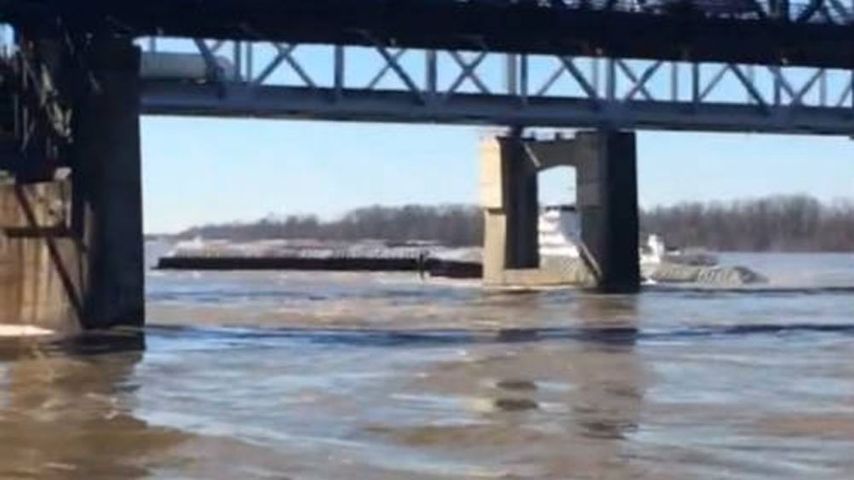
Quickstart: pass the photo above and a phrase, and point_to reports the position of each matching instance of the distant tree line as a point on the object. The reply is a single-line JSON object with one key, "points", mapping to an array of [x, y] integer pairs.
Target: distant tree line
{"points": [[778, 223], [453, 225]]}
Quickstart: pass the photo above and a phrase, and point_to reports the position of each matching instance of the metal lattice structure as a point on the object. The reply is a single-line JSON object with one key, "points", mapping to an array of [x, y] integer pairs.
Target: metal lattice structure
{"points": [[713, 65], [275, 80], [35, 123]]}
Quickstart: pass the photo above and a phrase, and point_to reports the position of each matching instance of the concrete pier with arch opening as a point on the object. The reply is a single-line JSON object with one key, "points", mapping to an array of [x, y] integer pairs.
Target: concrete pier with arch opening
{"points": [[607, 200]]}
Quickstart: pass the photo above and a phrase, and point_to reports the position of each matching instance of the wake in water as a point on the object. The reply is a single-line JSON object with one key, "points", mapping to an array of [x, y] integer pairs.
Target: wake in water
{"points": [[236, 337]]}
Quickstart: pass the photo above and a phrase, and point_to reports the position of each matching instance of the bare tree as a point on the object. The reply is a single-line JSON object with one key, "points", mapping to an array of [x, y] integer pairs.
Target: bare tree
{"points": [[781, 223]]}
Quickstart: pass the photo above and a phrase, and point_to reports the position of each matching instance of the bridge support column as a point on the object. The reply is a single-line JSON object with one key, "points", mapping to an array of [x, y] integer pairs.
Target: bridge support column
{"points": [[606, 178], [606, 172], [106, 177], [509, 198]]}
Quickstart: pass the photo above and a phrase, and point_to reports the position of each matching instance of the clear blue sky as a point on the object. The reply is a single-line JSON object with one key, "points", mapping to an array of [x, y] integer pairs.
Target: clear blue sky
{"points": [[201, 170]]}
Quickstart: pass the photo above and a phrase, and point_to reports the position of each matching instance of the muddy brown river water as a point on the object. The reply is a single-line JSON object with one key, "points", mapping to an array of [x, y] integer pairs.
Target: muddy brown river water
{"points": [[354, 376]]}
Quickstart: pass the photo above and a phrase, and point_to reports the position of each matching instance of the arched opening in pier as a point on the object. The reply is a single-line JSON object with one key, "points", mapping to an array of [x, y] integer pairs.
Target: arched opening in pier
{"points": [[558, 226], [557, 187]]}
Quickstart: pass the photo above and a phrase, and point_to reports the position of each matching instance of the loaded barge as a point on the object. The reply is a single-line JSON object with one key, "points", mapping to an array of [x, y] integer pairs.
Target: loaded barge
{"points": [[310, 255], [560, 253]]}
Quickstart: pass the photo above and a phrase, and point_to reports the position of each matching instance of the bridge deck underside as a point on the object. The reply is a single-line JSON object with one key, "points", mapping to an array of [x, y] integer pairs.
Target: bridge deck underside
{"points": [[813, 34]]}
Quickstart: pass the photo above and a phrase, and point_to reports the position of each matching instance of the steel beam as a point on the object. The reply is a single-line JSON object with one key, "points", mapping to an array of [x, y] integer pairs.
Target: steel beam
{"points": [[277, 102]]}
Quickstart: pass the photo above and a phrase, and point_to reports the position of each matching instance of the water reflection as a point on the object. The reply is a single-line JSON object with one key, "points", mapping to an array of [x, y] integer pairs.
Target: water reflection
{"points": [[71, 416], [393, 380], [610, 377], [553, 406]]}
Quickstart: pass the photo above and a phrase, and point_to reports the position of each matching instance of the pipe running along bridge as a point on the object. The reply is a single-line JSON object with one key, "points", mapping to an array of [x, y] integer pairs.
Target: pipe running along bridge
{"points": [[76, 75]]}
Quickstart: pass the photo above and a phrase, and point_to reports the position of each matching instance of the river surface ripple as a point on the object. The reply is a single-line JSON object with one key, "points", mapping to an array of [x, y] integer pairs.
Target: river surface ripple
{"points": [[331, 376]]}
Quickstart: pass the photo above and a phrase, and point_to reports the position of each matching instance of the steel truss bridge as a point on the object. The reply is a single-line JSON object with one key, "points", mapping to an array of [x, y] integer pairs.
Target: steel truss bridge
{"points": [[281, 80], [712, 65]]}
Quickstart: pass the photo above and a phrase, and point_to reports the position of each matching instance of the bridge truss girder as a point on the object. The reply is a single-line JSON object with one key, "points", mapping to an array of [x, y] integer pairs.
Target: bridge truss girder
{"points": [[35, 119], [478, 87]]}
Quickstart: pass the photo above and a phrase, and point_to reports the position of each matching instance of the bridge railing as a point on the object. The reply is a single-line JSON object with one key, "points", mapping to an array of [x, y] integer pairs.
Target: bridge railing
{"points": [[813, 11], [820, 11], [482, 87]]}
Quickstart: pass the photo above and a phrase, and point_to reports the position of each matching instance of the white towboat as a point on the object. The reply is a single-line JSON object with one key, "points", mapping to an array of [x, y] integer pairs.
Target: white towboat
{"points": [[559, 234]]}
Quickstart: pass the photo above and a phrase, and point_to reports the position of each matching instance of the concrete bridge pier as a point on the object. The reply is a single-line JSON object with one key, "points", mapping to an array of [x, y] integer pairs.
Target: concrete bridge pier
{"points": [[71, 249], [106, 183], [509, 196], [606, 178]]}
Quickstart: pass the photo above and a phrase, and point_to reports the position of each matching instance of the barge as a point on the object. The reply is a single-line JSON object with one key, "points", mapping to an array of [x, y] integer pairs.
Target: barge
{"points": [[560, 249]]}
